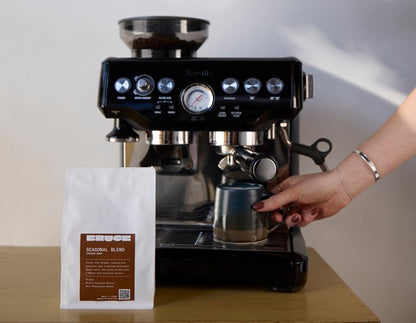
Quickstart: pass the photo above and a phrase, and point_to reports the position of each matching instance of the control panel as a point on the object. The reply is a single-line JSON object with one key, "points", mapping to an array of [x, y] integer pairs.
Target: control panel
{"points": [[201, 93]]}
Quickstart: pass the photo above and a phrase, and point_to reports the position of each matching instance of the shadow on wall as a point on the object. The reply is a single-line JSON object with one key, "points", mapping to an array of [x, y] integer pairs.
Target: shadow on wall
{"points": [[362, 69], [371, 243], [366, 44]]}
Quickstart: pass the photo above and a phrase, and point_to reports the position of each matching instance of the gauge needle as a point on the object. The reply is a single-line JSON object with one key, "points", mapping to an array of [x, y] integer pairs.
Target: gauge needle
{"points": [[196, 100]]}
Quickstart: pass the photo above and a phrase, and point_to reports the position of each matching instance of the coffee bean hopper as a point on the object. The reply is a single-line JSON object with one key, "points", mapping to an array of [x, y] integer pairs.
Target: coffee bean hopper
{"points": [[207, 121]]}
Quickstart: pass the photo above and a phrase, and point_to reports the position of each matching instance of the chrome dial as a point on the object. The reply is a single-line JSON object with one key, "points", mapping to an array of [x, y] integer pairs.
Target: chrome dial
{"points": [[122, 85], [230, 85], [165, 85], [197, 98], [252, 85], [144, 84], [274, 85]]}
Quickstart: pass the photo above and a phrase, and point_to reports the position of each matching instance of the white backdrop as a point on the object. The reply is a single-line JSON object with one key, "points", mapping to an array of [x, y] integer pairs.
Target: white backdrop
{"points": [[362, 54]]}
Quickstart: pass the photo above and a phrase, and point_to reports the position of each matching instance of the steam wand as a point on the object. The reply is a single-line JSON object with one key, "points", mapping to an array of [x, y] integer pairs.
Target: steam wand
{"points": [[122, 133], [311, 151]]}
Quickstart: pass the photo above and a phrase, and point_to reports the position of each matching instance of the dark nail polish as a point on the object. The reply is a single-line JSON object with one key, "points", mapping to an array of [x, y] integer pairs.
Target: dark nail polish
{"points": [[258, 205], [296, 219]]}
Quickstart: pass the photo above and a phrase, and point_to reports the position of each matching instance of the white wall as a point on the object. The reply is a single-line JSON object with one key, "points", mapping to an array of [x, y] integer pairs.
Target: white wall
{"points": [[362, 54]]}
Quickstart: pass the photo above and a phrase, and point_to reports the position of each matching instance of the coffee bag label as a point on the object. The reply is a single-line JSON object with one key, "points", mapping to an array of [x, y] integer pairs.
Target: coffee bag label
{"points": [[107, 267]]}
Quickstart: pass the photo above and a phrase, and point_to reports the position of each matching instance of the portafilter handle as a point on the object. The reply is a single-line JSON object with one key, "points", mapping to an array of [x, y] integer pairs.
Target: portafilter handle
{"points": [[259, 166]]}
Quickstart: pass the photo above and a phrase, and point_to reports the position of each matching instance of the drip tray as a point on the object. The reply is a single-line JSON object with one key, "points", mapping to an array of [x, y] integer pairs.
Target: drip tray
{"points": [[197, 237], [189, 255]]}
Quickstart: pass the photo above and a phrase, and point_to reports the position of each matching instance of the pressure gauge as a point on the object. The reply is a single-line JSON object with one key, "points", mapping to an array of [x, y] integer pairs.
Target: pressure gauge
{"points": [[197, 98]]}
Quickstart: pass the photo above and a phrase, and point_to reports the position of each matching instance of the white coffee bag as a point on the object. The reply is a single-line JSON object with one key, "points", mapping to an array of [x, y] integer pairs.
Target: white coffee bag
{"points": [[108, 239]]}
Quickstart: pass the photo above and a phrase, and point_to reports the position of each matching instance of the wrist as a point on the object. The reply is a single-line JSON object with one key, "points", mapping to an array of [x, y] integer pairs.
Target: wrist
{"points": [[356, 175], [369, 163], [343, 187]]}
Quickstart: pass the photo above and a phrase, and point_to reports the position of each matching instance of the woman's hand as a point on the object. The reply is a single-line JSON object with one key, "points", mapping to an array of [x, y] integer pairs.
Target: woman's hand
{"points": [[307, 198]]}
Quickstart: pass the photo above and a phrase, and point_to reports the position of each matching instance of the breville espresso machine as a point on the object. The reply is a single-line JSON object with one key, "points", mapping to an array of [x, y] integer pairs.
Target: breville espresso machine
{"points": [[208, 121]]}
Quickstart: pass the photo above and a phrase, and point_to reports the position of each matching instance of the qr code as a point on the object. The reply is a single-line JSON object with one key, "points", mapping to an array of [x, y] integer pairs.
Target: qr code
{"points": [[124, 294]]}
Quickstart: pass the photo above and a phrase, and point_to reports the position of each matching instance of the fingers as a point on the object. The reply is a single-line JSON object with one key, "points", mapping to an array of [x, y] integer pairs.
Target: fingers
{"points": [[276, 216], [277, 201], [290, 181], [289, 195], [286, 184], [290, 220], [308, 217], [301, 215], [293, 219]]}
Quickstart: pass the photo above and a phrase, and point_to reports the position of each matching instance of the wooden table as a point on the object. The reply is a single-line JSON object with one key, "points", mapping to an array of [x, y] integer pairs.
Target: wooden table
{"points": [[29, 292]]}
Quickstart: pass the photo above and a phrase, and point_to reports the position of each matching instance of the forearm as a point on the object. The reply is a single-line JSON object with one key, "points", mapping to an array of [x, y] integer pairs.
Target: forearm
{"points": [[390, 146], [395, 142]]}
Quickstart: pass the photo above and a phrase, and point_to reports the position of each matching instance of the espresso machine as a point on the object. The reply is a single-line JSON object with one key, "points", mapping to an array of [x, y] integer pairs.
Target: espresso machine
{"points": [[207, 121]]}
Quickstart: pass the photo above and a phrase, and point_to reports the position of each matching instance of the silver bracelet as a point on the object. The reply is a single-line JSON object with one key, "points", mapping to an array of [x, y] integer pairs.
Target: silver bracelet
{"points": [[369, 163]]}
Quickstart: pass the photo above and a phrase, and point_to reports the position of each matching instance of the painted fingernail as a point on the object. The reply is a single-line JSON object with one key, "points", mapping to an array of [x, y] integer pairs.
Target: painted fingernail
{"points": [[258, 205], [295, 219]]}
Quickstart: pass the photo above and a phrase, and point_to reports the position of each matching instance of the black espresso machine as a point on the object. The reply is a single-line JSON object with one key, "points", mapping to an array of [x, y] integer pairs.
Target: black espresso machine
{"points": [[208, 121]]}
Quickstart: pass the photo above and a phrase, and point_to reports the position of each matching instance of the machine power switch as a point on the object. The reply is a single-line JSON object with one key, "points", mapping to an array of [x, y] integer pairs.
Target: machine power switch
{"points": [[122, 85]]}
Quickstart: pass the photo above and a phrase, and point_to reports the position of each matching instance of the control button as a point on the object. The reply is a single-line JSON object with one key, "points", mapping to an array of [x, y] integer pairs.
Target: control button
{"points": [[165, 85], [230, 85], [122, 85], [252, 85], [145, 84], [274, 85]]}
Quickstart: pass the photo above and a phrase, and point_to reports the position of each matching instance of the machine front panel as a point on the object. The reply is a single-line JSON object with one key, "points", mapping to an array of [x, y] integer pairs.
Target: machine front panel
{"points": [[201, 94]]}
